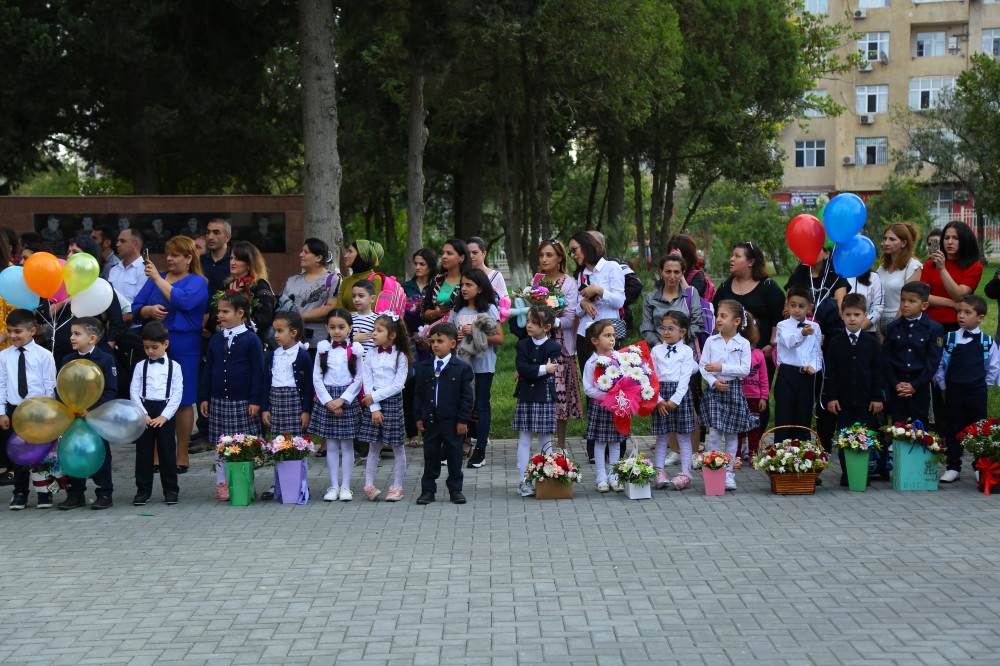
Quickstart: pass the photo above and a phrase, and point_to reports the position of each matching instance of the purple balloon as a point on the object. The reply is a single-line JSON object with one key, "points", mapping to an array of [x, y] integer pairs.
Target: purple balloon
{"points": [[21, 452]]}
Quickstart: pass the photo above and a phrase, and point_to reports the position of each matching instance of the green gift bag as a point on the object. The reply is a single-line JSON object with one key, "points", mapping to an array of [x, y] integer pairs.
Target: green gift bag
{"points": [[240, 478], [856, 463]]}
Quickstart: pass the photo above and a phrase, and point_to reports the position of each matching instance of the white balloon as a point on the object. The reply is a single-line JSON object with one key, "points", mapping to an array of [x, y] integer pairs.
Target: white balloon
{"points": [[93, 300], [118, 421]]}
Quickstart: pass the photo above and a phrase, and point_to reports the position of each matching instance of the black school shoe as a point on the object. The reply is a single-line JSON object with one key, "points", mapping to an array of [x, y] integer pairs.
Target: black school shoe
{"points": [[72, 502], [101, 503], [44, 500], [425, 498], [457, 498], [478, 459], [18, 501], [170, 498], [140, 499]]}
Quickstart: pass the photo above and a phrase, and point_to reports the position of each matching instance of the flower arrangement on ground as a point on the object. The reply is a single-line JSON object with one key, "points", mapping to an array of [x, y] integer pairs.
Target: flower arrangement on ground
{"points": [[982, 439], [47, 476], [791, 456], [711, 460], [285, 447], [908, 431], [637, 470], [553, 466], [857, 438], [631, 387], [240, 448], [542, 292]]}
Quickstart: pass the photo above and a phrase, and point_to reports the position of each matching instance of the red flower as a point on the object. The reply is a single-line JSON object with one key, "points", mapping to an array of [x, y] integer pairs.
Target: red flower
{"points": [[538, 459], [992, 421], [771, 453], [808, 455], [562, 462], [928, 440], [987, 429]]}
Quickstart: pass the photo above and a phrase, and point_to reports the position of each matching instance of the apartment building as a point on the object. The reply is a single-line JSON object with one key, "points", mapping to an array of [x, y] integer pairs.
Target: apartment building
{"points": [[914, 49]]}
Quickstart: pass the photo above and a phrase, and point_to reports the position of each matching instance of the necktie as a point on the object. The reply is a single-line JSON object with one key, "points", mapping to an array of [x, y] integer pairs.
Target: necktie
{"points": [[334, 345], [438, 367], [854, 338], [671, 349], [384, 350], [22, 374], [158, 360], [969, 335], [229, 335]]}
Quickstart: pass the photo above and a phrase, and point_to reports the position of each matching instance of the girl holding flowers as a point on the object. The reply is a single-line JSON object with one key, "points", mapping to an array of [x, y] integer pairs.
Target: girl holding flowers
{"points": [[601, 422]]}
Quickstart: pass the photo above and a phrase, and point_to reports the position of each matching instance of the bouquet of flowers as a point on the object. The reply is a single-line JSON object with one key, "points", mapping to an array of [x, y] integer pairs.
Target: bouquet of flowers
{"points": [[631, 386], [285, 447], [637, 470], [857, 438], [47, 474], [914, 432], [791, 455], [240, 448], [552, 466], [982, 439], [542, 292], [413, 303], [711, 460]]}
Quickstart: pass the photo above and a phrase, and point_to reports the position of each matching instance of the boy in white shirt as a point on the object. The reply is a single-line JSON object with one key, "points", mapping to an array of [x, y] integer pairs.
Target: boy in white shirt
{"points": [[799, 356]]}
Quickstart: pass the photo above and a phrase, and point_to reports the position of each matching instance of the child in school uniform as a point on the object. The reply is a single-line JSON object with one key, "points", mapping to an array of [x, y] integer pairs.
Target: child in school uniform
{"points": [[970, 363], [725, 361], [385, 372], [799, 357], [854, 381], [442, 407], [600, 422], [756, 388], [911, 354], [232, 386], [536, 361], [337, 377], [85, 333], [26, 371], [673, 362], [157, 387]]}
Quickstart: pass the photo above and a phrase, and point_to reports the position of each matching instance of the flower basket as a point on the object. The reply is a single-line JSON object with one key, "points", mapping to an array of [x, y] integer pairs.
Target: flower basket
{"points": [[857, 442], [856, 465], [550, 489], [553, 475], [715, 481], [291, 485], [239, 476], [637, 473], [915, 456], [240, 453], [792, 465], [982, 440], [793, 484], [635, 491]]}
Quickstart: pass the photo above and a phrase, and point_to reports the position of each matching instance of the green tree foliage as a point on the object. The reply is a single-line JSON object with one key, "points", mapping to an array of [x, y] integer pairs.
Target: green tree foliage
{"points": [[901, 200]]}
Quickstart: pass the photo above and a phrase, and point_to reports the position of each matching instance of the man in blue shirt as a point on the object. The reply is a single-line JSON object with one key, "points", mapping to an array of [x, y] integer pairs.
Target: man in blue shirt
{"points": [[215, 262]]}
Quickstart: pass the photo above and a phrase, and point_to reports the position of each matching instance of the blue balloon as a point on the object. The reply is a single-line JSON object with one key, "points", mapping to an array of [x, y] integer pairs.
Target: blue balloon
{"points": [[81, 450], [854, 257], [14, 289], [844, 217]]}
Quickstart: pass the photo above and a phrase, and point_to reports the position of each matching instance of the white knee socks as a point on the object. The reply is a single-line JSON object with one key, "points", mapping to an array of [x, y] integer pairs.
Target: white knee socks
{"points": [[523, 452], [400, 465], [345, 459], [660, 454], [613, 451], [684, 444]]}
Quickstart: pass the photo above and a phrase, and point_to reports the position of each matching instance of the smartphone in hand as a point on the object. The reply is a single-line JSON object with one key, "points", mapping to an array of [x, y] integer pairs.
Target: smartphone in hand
{"points": [[933, 244]]}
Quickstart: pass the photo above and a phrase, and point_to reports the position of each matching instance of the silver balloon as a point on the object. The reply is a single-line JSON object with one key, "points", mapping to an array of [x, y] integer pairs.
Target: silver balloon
{"points": [[118, 421]]}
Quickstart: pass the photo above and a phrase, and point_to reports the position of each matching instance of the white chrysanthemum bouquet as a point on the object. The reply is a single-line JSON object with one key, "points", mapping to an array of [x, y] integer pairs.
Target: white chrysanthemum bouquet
{"points": [[628, 379]]}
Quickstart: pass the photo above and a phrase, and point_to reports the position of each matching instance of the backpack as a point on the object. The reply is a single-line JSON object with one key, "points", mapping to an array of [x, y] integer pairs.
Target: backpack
{"points": [[392, 298], [709, 287], [707, 317], [951, 340]]}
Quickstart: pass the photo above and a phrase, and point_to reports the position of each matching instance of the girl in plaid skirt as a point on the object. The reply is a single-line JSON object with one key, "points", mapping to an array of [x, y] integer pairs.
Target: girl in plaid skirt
{"points": [[386, 369], [725, 360], [337, 374], [674, 364], [537, 361], [600, 422]]}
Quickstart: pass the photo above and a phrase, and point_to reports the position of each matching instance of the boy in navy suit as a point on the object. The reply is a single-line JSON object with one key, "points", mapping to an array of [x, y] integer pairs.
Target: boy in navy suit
{"points": [[442, 408], [85, 334], [854, 381], [912, 351]]}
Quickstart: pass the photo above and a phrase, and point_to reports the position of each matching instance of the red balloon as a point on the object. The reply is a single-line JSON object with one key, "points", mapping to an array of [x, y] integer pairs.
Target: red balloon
{"points": [[805, 236]]}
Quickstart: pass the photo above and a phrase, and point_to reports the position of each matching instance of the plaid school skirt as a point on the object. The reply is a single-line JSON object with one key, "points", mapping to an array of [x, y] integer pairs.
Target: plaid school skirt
{"points": [[726, 410], [601, 424], [229, 417], [327, 425], [392, 430], [536, 417], [681, 419], [286, 411]]}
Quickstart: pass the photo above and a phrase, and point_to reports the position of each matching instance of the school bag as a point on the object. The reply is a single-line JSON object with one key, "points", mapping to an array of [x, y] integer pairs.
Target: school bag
{"points": [[392, 298], [707, 319], [951, 340], [709, 287]]}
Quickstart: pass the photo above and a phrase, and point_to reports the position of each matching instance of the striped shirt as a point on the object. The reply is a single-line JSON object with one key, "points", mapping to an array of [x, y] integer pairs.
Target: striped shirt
{"points": [[364, 324]]}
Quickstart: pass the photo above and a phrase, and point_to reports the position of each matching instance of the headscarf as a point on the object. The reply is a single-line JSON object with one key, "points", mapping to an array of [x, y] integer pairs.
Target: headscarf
{"points": [[370, 254]]}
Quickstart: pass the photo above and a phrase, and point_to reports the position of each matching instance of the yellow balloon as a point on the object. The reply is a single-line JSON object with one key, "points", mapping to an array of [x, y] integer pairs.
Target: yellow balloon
{"points": [[80, 383], [40, 420]]}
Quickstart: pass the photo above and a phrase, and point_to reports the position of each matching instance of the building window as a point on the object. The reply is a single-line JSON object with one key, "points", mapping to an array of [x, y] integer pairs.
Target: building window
{"points": [[874, 45], [810, 98], [810, 153], [925, 90], [871, 151], [872, 4], [817, 7], [872, 99], [930, 44], [991, 42], [941, 206]]}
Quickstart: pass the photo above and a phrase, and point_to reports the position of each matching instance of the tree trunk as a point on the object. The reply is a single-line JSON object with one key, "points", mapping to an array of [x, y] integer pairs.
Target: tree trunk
{"points": [[656, 206], [593, 191], [322, 173], [529, 141], [415, 170], [616, 189], [469, 191], [511, 226], [670, 183], [542, 140], [144, 180], [640, 224]]}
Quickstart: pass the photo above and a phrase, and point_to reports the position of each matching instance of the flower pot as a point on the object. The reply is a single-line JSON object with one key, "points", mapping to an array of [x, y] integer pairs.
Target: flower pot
{"points": [[791, 483], [637, 492], [715, 480], [290, 484], [913, 467], [550, 489], [240, 478], [856, 463]]}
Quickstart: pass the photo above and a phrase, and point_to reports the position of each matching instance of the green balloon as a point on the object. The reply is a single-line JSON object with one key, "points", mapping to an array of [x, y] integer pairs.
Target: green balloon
{"points": [[80, 271], [81, 450]]}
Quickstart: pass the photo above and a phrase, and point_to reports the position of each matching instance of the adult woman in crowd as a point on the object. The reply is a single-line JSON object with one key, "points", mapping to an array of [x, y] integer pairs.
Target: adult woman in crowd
{"points": [[362, 257], [6, 476], [477, 257], [683, 245], [314, 291], [424, 268], [569, 402], [602, 290], [897, 266], [869, 285], [444, 287], [32, 248], [247, 273], [670, 295], [751, 286], [178, 298]]}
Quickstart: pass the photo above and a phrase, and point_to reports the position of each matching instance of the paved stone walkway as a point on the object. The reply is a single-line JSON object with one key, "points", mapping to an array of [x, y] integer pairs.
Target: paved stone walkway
{"points": [[877, 577]]}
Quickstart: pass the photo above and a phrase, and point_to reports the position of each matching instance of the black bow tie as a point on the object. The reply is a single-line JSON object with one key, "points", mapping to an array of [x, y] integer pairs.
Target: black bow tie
{"points": [[84, 355], [969, 334], [802, 324], [671, 349], [158, 360]]}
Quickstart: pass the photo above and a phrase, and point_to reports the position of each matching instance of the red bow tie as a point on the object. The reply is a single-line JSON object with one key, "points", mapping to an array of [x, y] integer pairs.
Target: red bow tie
{"points": [[384, 350], [334, 345]]}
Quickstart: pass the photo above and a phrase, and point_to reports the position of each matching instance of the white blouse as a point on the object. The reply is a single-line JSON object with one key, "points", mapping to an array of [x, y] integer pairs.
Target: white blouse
{"points": [[733, 355], [609, 276], [678, 367], [282, 370], [337, 373], [892, 283], [385, 374]]}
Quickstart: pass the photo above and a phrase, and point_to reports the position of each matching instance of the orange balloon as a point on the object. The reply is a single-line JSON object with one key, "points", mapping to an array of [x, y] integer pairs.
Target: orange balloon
{"points": [[43, 274]]}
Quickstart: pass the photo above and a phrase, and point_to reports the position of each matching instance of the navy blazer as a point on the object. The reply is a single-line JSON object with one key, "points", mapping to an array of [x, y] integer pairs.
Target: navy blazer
{"points": [[912, 353], [454, 391], [528, 356], [234, 373], [854, 373], [104, 361], [302, 368]]}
